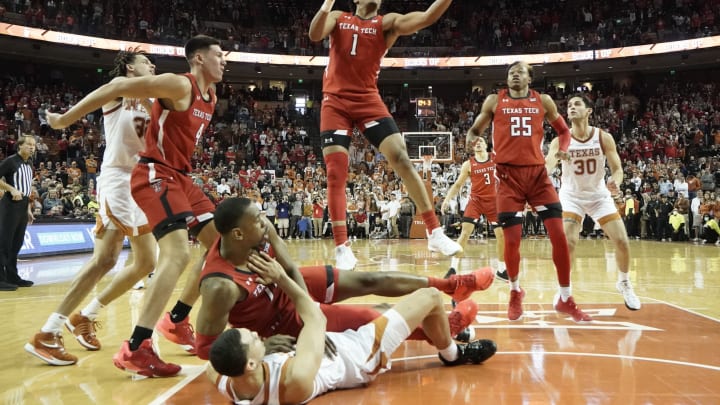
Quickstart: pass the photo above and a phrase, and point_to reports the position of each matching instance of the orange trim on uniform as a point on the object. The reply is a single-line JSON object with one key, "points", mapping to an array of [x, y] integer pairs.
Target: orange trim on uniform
{"points": [[112, 110], [282, 389], [607, 218], [266, 386], [571, 215], [380, 327]]}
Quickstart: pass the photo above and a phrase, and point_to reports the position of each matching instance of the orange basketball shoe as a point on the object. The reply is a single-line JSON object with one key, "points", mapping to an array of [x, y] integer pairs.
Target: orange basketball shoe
{"points": [[50, 348], [143, 361], [478, 280], [84, 330], [181, 333], [462, 316]]}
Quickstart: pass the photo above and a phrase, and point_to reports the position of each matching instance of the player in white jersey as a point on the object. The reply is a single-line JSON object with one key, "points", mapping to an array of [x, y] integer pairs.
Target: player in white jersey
{"points": [[246, 375], [118, 217], [583, 189]]}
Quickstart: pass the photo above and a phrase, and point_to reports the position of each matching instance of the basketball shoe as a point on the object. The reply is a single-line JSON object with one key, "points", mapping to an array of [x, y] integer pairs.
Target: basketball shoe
{"points": [[480, 279], [344, 257], [143, 361], [181, 333], [439, 242], [462, 316], [503, 275], [515, 310], [465, 335], [632, 302], [50, 348], [474, 352], [569, 307], [84, 330]]}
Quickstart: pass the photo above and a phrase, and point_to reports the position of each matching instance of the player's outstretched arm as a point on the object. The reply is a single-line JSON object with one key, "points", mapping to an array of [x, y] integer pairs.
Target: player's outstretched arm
{"points": [[324, 21], [410, 23], [483, 120], [310, 347], [455, 188], [167, 86]]}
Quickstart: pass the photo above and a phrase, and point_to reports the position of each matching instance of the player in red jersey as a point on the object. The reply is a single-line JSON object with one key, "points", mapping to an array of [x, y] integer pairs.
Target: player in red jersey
{"points": [[232, 294], [159, 184], [480, 169], [517, 114], [358, 43]]}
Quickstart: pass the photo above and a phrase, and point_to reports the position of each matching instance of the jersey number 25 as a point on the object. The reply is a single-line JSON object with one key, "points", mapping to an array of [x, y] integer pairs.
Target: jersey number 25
{"points": [[520, 126]]}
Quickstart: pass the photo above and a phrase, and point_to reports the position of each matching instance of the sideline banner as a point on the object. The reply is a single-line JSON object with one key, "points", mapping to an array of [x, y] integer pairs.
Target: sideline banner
{"points": [[60, 238]]}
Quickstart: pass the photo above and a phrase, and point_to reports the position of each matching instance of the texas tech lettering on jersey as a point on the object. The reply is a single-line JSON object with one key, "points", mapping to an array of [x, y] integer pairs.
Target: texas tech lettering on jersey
{"points": [[517, 130], [356, 48], [172, 135]]}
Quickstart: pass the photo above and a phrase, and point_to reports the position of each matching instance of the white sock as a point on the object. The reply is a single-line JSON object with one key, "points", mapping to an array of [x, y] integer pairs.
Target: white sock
{"points": [[515, 285], [454, 262], [54, 323], [450, 353], [565, 293], [92, 309], [501, 266], [622, 276]]}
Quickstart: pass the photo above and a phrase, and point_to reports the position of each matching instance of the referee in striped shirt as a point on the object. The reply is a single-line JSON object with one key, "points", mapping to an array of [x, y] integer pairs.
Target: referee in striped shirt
{"points": [[16, 175]]}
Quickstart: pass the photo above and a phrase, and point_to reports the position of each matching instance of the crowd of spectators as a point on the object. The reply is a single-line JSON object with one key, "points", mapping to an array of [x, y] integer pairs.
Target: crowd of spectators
{"points": [[468, 28], [261, 146]]}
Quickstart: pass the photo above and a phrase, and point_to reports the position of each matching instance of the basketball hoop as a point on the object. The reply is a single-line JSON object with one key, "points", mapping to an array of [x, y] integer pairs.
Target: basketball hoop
{"points": [[427, 163]]}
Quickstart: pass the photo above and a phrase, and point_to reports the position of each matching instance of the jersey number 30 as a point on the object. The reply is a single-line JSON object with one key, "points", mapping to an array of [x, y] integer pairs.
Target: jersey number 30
{"points": [[585, 166], [520, 126]]}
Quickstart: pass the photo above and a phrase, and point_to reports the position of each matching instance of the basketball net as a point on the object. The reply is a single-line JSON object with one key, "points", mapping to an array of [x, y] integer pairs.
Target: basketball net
{"points": [[427, 164]]}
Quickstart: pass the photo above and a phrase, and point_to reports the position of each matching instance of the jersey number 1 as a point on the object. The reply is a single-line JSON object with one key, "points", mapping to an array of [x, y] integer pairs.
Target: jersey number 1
{"points": [[353, 51]]}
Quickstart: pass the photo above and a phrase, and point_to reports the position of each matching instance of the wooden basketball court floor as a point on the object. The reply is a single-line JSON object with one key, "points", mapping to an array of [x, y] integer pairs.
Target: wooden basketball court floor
{"points": [[666, 353]]}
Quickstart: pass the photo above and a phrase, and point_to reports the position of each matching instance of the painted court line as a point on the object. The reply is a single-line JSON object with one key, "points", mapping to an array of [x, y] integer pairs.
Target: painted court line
{"points": [[192, 373]]}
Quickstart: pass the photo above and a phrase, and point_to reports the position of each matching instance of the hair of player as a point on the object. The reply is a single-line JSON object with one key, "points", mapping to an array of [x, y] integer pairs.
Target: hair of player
{"points": [[583, 97], [24, 138], [199, 43], [519, 62], [124, 58], [227, 355], [229, 213]]}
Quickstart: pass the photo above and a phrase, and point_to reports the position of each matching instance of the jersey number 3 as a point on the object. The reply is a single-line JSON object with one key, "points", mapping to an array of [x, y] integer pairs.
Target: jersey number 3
{"points": [[520, 126]]}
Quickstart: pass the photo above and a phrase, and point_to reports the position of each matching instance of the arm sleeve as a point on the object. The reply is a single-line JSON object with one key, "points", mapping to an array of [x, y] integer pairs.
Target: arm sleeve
{"points": [[563, 132]]}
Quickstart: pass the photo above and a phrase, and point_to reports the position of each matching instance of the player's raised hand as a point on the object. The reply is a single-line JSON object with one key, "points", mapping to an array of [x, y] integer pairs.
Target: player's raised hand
{"points": [[327, 6], [267, 268]]}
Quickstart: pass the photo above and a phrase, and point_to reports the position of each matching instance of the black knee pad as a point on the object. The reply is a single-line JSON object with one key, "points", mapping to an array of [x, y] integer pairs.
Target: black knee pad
{"points": [[507, 219], [383, 128], [468, 220], [553, 210], [330, 138], [195, 230]]}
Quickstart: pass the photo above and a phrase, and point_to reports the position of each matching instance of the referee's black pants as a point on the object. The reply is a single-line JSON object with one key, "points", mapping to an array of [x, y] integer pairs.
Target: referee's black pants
{"points": [[13, 222]]}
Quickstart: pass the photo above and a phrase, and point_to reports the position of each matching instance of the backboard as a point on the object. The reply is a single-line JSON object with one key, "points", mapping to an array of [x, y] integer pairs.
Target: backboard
{"points": [[438, 144]]}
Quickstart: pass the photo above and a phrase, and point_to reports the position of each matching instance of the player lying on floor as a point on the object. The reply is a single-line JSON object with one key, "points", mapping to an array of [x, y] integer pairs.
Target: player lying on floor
{"points": [[244, 373], [233, 294]]}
